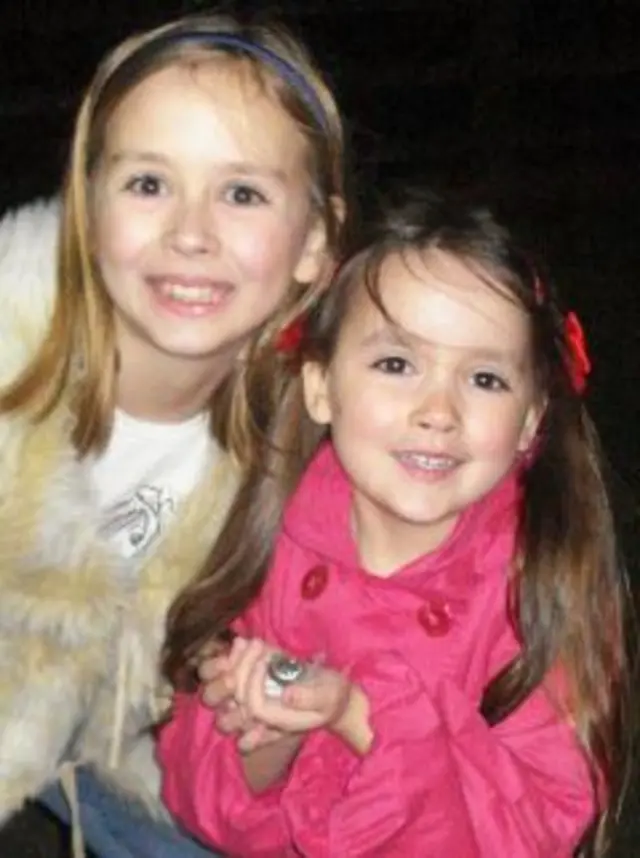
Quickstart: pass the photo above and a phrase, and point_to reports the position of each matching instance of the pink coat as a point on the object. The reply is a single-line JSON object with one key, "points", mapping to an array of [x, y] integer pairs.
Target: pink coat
{"points": [[438, 781]]}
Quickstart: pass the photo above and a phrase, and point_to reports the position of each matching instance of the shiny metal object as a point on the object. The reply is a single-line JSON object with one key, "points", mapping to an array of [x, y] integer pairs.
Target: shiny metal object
{"points": [[283, 671]]}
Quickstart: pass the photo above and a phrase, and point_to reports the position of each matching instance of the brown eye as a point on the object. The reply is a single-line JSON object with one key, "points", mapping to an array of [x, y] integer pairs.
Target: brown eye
{"points": [[489, 381], [146, 185], [244, 195], [393, 365]]}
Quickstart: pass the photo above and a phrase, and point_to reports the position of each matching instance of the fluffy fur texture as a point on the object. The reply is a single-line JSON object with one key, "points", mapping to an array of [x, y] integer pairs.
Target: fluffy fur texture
{"points": [[71, 611]]}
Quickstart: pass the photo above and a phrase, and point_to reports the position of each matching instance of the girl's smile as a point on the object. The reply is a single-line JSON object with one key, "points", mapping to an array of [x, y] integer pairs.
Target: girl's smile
{"points": [[430, 407], [200, 224]]}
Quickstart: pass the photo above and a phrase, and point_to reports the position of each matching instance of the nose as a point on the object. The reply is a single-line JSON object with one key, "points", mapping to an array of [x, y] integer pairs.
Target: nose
{"points": [[436, 408], [191, 230]]}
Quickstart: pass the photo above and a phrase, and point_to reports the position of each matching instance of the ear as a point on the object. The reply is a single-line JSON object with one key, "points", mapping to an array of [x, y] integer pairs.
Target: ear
{"points": [[313, 255], [314, 252], [532, 421], [315, 386]]}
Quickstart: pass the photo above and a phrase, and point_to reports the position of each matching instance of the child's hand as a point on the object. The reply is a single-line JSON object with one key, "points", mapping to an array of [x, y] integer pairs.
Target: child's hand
{"points": [[319, 700], [217, 673], [234, 685]]}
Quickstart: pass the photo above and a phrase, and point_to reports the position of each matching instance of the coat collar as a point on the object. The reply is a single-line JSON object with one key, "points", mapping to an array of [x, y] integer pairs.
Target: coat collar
{"points": [[319, 519]]}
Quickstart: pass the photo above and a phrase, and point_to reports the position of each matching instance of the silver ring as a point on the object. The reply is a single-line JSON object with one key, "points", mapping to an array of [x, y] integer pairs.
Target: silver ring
{"points": [[282, 671]]}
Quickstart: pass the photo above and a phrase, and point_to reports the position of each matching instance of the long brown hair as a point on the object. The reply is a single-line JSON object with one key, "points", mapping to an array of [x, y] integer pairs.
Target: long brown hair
{"points": [[81, 331], [568, 591]]}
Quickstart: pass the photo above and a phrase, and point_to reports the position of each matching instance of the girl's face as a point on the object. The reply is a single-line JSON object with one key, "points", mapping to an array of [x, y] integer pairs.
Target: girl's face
{"points": [[202, 216], [427, 415]]}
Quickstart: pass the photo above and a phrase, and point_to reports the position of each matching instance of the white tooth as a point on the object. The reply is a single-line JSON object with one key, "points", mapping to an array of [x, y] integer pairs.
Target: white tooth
{"points": [[431, 463], [188, 294]]}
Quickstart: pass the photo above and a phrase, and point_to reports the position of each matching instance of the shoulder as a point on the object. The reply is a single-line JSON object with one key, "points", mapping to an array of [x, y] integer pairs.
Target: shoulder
{"points": [[28, 248], [29, 234]]}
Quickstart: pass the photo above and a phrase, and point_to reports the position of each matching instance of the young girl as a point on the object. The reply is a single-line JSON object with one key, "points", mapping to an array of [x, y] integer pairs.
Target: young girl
{"points": [[433, 664], [202, 209]]}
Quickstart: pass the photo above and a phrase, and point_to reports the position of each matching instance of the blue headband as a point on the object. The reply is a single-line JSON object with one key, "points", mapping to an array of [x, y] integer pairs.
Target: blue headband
{"points": [[286, 71]]}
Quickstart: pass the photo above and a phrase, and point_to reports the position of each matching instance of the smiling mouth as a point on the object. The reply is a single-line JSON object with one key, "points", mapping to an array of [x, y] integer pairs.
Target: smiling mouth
{"points": [[425, 462], [193, 291]]}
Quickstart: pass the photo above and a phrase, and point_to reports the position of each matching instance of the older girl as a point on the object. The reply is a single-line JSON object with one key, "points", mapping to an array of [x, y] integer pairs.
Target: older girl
{"points": [[201, 211]]}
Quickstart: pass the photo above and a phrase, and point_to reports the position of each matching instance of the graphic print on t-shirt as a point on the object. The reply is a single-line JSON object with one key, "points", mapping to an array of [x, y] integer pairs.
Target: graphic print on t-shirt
{"points": [[133, 525]]}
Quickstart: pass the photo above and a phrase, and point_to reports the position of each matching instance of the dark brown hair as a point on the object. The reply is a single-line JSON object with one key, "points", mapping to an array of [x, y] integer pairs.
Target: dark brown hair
{"points": [[568, 591]]}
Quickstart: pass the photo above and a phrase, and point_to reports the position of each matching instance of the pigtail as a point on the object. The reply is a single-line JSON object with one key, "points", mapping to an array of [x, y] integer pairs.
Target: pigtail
{"points": [[568, 599], [276, 442]]}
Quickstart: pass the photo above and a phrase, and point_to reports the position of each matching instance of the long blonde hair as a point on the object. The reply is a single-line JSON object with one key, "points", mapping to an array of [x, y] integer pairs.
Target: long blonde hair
{"points": [[82, 326]]}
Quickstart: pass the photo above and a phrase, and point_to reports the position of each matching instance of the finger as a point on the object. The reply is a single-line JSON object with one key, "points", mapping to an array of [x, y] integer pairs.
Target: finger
{"points": [[226, 659], [253, 653], [211, 649], [236, 651], [256, 699], [233, 721], [217, 691], [207, 651], [251, 739], [227, 707], [259, 736], [303, 697], [212, 668], [328, 695]]}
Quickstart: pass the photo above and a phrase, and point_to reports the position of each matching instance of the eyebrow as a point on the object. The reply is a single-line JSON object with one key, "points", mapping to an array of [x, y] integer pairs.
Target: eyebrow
{"points": [[393, 336], [134, 155], [389, 335], [243, 168]]}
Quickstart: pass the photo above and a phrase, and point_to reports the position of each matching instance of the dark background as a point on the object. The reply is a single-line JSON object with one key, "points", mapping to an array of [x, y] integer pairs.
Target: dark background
{"points": [[538, 101]]}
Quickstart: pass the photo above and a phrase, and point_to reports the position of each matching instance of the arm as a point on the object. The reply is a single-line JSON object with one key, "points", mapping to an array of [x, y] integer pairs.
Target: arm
{"points": [[265, 752], [354, 727], [205, 788], [438, 780], [269, 764]]}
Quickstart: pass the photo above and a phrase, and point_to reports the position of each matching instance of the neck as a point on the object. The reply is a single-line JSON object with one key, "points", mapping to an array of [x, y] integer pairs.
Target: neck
{"points": [[386, 544], [165, 388]]}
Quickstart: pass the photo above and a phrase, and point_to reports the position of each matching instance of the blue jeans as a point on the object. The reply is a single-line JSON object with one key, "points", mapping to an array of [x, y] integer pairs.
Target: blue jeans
{"points": [[117, 828]]}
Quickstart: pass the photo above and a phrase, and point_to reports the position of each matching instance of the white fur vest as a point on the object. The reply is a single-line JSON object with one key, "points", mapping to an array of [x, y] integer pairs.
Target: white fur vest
{"points": [[80, 629]]}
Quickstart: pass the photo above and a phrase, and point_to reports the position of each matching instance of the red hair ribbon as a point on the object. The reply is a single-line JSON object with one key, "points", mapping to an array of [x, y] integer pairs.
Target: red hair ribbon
{"points": [[579, 362], [289, 338]]}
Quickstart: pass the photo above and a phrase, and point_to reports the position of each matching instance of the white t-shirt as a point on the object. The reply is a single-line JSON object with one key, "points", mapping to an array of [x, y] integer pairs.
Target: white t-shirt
{"points": [[144, 473]]}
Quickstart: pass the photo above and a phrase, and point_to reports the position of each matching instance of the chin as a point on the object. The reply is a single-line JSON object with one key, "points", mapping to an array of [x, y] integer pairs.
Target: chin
{"points": [[188, 343]]}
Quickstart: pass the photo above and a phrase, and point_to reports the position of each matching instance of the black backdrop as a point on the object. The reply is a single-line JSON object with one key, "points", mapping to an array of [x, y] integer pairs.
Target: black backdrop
{"points": [[538, 100]]}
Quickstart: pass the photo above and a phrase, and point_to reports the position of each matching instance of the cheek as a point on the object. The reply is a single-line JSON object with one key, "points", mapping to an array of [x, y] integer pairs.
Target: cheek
{"points": [[269, 250], [120, 239], [497, 432], [368, 413]]}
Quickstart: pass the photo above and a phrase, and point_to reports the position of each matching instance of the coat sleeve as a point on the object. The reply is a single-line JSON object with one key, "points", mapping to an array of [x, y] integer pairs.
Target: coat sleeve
{"points": [[204, 787], [438, 780]]}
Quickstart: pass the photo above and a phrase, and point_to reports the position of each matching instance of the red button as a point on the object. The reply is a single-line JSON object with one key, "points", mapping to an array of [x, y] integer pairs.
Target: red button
{"points": [[314, 582], [435, 616]]}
